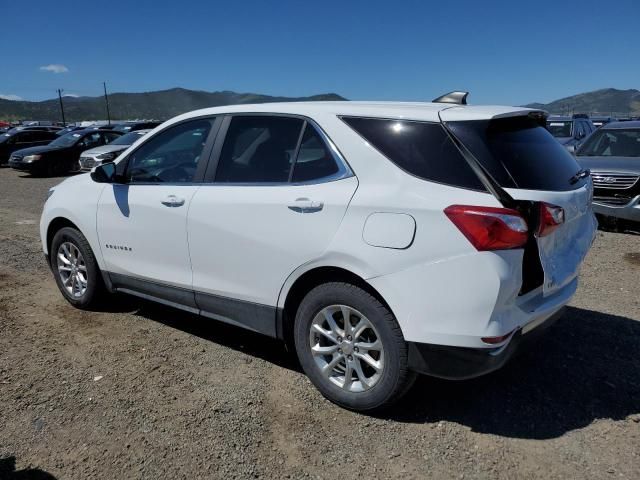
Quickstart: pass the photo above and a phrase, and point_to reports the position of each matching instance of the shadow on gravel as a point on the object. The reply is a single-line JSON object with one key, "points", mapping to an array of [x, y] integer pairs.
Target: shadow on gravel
{"points": [[240, 339], [8, 471], [584, 368]]}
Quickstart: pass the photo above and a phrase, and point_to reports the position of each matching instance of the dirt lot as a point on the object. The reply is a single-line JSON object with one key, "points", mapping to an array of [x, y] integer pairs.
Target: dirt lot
{"points": [[144, 391]]}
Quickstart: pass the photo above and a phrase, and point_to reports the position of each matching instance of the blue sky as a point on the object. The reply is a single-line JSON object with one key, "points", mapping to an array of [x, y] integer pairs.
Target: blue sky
{"points": [[507, 52]]}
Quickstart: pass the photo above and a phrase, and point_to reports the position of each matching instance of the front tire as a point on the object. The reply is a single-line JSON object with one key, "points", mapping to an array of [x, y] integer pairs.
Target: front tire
{"points": [[75, 268], [351, 347]]}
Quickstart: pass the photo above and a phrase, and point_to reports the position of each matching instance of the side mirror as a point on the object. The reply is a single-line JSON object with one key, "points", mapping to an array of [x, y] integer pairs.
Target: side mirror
{"points": [[105, 173]]}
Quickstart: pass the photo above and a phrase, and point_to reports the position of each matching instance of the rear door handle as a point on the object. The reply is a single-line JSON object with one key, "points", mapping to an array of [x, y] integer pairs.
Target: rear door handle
{"points": [[172, 201], [305, 205]]}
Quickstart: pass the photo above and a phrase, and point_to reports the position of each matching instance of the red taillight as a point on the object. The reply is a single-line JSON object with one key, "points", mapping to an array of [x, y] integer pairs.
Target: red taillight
{"points": [[550, 218], [489, 228], [497, 340]]}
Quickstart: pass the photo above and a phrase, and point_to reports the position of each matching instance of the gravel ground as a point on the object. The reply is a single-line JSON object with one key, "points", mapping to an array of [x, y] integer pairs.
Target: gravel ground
{"points": [[144, 391]]}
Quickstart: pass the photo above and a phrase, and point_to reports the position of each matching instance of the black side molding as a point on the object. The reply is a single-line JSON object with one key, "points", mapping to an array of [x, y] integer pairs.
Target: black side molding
{"points": [[456, 97]]}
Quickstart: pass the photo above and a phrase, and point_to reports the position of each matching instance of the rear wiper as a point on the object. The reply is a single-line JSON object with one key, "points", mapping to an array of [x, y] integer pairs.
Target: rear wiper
{"points": [[585, 172]]}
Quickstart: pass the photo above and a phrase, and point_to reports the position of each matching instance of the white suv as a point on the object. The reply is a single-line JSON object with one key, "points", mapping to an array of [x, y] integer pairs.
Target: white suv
{"points": [[381, 239]]}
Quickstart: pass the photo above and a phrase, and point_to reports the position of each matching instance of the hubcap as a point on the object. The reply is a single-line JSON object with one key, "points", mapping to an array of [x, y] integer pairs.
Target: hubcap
{"points": [[72, 269], [346, 348]]}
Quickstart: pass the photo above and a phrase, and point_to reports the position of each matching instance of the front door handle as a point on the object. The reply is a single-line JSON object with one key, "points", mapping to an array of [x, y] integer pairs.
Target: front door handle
{"points": [[172, 201], [305, 205]]}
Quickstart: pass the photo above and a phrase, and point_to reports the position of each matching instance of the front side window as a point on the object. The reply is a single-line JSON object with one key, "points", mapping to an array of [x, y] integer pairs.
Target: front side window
{"points": [[92, 140], [612, 143], [259, 149], [171, 156]]}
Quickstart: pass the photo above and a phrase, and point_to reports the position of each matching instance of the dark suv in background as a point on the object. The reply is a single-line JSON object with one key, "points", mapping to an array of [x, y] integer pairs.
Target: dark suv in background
{"points": [[570, 131], [17, 139], [613, 156]]}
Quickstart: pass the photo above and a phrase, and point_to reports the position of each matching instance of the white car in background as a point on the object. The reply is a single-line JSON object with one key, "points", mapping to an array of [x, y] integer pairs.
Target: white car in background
{"points": [[108, 153], [381, 239]]}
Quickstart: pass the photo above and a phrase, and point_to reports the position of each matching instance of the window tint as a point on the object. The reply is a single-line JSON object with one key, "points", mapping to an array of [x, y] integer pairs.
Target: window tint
{"points": [[315, 160], [92, 140], [522, 148], [171, 156], [258, 149], [110, 136], [420, 148]]}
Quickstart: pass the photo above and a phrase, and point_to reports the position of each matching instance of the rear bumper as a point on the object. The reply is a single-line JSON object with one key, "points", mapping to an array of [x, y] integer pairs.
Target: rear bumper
{"points": [[460, 363], [630, 211]]}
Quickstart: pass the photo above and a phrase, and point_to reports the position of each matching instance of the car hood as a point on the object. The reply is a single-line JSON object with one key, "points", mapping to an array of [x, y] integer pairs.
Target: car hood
{"points": [[37, 150], [105, 149], [610, 164]]}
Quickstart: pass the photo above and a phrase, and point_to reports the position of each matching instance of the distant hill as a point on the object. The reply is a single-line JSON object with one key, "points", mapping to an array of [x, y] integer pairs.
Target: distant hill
{"points": [[152, 105], [607, 100]]}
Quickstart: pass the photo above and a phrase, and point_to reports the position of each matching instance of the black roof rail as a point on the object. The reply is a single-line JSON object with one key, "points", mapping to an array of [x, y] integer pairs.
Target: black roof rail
{"points": [[580, 115], [459, 98]]}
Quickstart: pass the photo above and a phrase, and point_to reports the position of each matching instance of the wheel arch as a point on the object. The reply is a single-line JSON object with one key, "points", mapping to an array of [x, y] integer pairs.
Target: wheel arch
{"points": [[291, 298], [56, 224]]}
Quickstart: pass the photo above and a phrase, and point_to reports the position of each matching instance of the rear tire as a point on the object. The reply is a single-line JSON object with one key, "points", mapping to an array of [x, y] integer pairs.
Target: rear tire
{"points": [[360, 365], [75, 268]]}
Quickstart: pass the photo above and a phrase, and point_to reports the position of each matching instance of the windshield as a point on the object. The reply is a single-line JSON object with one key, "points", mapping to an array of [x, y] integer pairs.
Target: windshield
{"points": [[518, 152], [559, 129], [66, 140], [612, 143], [127, 139]]}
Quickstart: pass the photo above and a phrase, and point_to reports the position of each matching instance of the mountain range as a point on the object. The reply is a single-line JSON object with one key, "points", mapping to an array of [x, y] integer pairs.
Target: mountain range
{"points": [[605, 101], [168, 103], [159, 105]]}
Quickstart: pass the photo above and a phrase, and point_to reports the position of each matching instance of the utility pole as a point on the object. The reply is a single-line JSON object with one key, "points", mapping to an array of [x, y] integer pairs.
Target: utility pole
{"points": [[64, 124], [106, 100]]}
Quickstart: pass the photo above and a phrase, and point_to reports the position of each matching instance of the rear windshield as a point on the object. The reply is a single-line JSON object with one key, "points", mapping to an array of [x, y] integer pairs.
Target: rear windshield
{"points": [[516, 152], [519, 152]]}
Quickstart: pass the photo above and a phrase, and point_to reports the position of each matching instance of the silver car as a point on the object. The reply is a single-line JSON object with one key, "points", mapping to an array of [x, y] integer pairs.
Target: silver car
{"points": [[109, 152]]}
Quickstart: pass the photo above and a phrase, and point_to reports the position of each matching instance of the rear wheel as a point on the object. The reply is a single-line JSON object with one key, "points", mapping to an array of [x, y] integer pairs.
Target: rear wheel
{"points": [[75, 268], [351, 347]]}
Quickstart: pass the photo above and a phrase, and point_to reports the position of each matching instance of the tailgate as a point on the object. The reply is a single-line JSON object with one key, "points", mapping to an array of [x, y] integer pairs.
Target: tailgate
{"points": [[563, 250]]}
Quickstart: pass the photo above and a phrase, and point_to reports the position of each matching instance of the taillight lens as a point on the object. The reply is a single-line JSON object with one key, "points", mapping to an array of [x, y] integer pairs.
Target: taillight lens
{"points": [[489, 228], [550, 217]]}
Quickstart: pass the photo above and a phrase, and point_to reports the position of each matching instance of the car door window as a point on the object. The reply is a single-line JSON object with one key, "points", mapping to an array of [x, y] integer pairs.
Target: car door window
{"points": [[92, 140], [314, 161], [259, 149], [171, 156]]}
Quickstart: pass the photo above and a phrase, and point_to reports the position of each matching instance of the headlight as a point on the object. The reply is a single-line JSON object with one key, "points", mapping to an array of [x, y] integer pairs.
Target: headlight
{"points": [[107, 156], [31, 158]]}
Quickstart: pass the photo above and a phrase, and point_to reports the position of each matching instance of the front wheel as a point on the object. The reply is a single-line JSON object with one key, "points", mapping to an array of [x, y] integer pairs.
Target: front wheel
{"points": [[75, 268], [351, 347]]}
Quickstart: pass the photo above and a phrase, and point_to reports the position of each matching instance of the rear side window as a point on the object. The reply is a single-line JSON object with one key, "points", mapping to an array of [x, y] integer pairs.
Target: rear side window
{"points": [[314, 161], [419, 148], [519, 152], [259, 149]]}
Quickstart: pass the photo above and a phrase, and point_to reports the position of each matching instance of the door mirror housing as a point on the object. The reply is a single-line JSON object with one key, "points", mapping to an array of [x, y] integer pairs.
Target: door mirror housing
{"points": [[104, 173]]}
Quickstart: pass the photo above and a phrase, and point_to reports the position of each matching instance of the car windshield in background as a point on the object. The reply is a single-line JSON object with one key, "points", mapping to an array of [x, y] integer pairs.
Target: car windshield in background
{"points": [[612, 143], [127, 138], [66, 140], [559, 129], [519, 153]]}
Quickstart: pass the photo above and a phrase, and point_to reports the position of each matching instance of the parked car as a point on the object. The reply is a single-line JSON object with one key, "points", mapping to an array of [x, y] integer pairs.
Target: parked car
{"points": [[17, 139], [39, 128], [133, 126], [363, 233], [613, 156], [110, 151], [570, 131], [62, 154], [600, 120]]}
